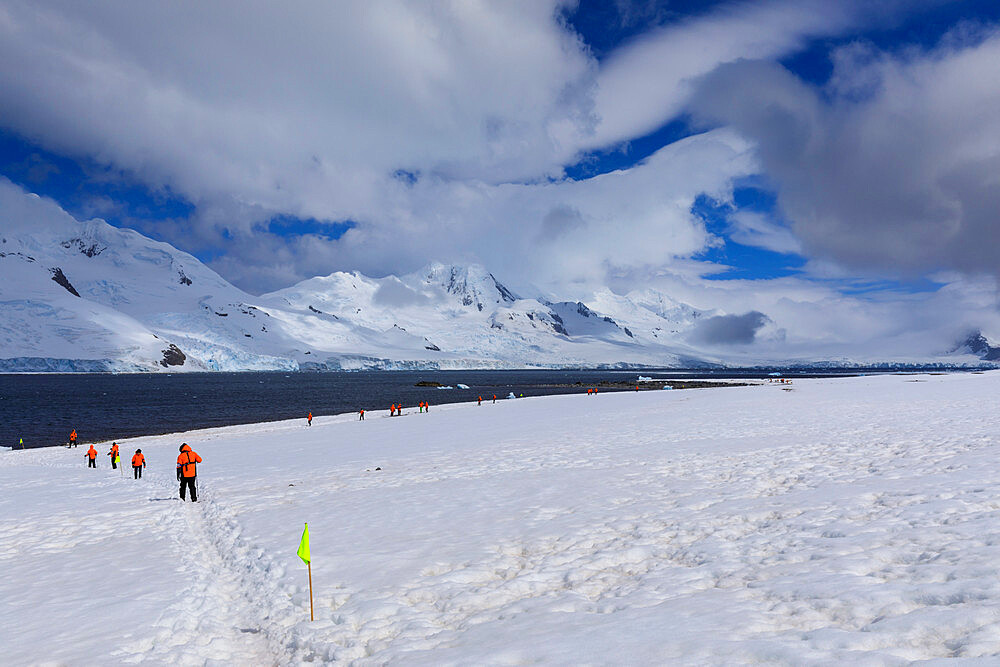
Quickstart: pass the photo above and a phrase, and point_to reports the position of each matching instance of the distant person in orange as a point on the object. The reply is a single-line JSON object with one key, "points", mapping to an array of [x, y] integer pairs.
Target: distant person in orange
{"points": [[392, 410], [188, 470], [589, 392], [427, 406], [480, 402], [138, 463], [361, 415], [494, 398], [114, 455], [91, 457], [310, 419], [72, 438]]}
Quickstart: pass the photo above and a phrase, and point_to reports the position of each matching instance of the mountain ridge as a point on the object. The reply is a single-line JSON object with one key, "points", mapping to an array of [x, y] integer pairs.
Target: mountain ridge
{"points": [[87, 296]]}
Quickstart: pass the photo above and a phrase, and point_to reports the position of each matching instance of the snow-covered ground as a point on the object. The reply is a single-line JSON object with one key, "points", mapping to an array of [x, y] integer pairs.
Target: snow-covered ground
{"points": [[843, 520]]}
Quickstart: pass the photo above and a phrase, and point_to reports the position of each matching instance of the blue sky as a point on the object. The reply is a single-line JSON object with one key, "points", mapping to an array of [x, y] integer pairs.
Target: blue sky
{"points": [[600, 149]]}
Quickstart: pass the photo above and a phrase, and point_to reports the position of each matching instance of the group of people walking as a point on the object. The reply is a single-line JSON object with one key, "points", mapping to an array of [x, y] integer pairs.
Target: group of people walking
{"points": [[138, 459], [187, 464], [397, 410]]}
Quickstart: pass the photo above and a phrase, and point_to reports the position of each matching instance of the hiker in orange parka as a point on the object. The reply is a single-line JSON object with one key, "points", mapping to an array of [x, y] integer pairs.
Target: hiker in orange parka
{"points": [[186, 463], [72, 438], [494, 398], [361, 415], [92, 457], [114, 455], [480, 402], [138, 463], [392, 410], [310, 419]]}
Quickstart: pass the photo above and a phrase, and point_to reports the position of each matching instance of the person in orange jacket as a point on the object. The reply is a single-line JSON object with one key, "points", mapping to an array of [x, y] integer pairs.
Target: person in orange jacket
{"points": [[494, 398], [114, 455], [188, 470], [480, 401], [92, 457], [310, 419], [138, 463], [72, 438], [361, 415], [392, 410]]}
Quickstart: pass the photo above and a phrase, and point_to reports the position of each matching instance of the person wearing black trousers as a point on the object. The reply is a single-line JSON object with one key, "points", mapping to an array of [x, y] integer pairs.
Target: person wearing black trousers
{"points": [[187, 471], [138, 463]]}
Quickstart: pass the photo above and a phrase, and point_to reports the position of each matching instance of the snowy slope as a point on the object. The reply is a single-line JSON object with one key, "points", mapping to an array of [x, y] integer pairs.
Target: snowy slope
{"points": [[848, 521]]}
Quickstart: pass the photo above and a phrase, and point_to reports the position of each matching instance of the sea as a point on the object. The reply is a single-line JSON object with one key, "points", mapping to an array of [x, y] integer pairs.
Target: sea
{"points": [[42, 409]]}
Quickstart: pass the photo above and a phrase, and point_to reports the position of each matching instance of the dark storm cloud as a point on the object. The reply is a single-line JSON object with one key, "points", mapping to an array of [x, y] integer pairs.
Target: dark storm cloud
{"points": [[892, 166], [560, 220], [730, 329]]}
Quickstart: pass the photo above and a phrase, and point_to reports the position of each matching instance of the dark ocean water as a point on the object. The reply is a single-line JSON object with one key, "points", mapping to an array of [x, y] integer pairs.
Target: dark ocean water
{"points": [[43, 409]]}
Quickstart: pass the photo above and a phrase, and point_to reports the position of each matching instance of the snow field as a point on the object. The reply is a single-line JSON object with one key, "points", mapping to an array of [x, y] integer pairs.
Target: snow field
{"points": [[848, 520]]}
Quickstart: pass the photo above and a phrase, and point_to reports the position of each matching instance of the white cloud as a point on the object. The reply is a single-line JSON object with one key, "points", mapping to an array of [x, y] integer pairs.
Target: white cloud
{"points": [[308, 110], [894, 167], [649, 81], [637, 220], [760, 231], [305, 109]]}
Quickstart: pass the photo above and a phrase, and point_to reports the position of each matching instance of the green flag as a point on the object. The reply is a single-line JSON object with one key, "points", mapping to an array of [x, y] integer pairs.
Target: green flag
{"points": [[303, 551]]}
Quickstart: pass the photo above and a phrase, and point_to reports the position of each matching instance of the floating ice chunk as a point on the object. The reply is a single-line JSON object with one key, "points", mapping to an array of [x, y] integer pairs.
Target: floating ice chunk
{"points": [[462, 386]]}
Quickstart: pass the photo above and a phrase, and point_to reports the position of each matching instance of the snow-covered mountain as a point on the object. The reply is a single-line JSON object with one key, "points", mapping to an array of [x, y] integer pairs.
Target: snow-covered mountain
{"points": [[86, 296]]}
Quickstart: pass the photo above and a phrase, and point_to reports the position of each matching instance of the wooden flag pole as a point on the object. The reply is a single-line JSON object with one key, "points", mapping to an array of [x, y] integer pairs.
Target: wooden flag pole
{"points": [[311, 617]]}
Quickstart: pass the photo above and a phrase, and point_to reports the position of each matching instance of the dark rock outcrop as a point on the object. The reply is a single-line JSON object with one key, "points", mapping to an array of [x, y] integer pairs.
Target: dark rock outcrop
{"points": [[172, 356], [59, 277]]}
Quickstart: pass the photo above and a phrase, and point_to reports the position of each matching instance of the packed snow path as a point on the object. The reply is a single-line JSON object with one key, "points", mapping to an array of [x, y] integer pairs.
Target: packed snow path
{"points": [[830, 520]]}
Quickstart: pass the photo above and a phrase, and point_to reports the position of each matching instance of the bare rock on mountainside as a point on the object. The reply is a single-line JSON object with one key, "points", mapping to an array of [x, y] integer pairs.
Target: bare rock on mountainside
{"points": [[60, 278], [172, 356]]}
